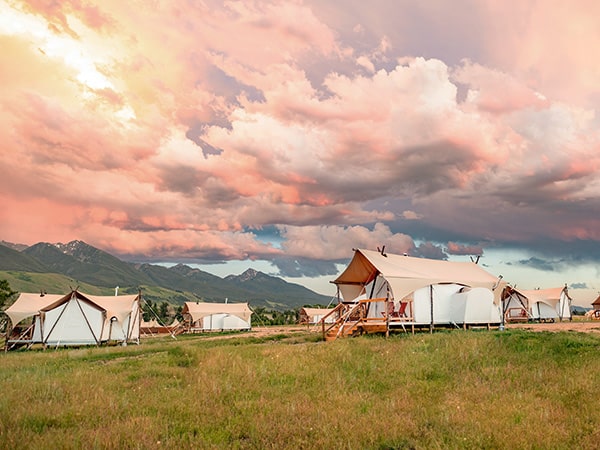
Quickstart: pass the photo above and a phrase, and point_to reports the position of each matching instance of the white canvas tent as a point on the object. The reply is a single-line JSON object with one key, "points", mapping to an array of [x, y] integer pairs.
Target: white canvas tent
{"points": [[422, 291], [549, 304], [312, 316], [201, 316], [73, 319]]}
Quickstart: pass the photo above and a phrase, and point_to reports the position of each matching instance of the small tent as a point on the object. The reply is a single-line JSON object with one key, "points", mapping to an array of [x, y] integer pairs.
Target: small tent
{"points": [[549, 304], [312, 316], [420, 291], [594, 313], [152, 327], [73, 319], [596, 304], [201, 316]]}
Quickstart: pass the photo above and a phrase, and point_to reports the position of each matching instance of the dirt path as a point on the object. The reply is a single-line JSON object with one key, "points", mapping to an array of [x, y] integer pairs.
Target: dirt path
{"points": [[260, 332], [579, 326]]}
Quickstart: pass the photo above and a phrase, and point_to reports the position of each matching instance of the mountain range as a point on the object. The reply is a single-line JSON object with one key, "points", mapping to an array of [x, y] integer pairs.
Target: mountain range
{"points": [[45, 266]]}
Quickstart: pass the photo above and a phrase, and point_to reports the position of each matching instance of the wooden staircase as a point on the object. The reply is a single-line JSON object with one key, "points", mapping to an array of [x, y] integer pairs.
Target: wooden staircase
{"points": [[352, 320]]}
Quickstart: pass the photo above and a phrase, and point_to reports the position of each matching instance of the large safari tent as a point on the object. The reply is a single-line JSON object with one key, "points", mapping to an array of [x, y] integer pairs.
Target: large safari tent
{"points": [[203, 316], [537, 305], [381, 291], [73, 319]]}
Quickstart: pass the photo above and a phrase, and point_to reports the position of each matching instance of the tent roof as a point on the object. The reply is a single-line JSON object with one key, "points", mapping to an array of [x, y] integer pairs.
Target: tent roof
{"points": [[28, 305], [198, 310], [407, 274], [549, 296], [118, 306], [597, 301], [150, 324]]}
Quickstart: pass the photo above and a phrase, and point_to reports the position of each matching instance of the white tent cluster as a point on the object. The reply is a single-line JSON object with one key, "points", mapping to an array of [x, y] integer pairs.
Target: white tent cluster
{"points": [[73, 319], [380, 292]]}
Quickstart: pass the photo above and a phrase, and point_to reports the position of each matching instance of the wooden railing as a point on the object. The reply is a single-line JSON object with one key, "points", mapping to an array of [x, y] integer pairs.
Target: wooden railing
{"points": [[350, 316], [353, 316]]}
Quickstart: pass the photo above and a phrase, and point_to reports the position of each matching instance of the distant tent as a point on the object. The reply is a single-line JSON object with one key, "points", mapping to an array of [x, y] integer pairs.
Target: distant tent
{"points": [[201, 316], [594, 313], [596, 303], [537, 304], [150, 324], [155, 327], [73, 319], [549, 304], [311, 316]]}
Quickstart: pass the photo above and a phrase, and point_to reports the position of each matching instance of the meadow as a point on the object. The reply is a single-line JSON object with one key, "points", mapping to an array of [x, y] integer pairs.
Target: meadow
{"points": [[456, 389]]}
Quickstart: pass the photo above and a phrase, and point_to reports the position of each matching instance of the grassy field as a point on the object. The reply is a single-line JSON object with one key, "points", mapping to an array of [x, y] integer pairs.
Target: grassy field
{"points": [[475, 389]]}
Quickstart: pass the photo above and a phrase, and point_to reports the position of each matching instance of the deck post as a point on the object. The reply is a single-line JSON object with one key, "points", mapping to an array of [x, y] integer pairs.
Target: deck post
{"points": [[387, 313], [431, 309]]}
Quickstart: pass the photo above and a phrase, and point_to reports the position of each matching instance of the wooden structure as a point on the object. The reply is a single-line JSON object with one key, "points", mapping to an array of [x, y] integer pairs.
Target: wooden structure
{"points": [[154, 327], [515, 306], [381, 292], [353, 319]]}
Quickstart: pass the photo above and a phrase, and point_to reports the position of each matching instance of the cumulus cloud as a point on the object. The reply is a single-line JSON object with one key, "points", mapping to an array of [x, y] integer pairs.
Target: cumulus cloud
{"points": [[335, 243], [430, 250], [538, 263], [300, 116], [411, 215], [303, 267], [454, 248]]}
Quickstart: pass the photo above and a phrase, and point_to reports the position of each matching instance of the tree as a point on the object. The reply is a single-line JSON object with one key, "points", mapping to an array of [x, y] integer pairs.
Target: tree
{"points": [[147, 310], [163, 312], [179, 313], [5, 292]]}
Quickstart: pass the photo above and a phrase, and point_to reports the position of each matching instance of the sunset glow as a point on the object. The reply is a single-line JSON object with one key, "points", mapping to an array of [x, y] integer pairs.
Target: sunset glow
{"points": [[204, 132]]}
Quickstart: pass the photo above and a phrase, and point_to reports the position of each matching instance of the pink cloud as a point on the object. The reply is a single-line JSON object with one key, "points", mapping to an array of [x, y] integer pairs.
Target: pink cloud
{"points": [[187, 125], [547, 45], [455, 248], [334, 242], [496, 92]]}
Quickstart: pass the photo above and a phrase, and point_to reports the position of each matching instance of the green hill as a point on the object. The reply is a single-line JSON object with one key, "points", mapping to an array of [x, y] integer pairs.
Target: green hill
{"points": [[83, 262], [56, 268], [11, 259]]}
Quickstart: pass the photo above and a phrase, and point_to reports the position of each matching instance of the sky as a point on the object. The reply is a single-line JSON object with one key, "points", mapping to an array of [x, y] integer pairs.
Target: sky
{"points": [[280, 135]]}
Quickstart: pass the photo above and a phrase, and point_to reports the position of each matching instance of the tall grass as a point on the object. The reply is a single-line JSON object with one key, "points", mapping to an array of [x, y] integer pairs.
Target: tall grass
{"points": [[513, 389]]}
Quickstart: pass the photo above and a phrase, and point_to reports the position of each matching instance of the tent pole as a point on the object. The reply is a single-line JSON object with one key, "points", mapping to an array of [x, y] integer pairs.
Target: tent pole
{"points": [[9, 329], [502, 317], [431, 305], [88, 323], [158, 318], [132, 321], [373, 287], [45, 339], [387, 313]]}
